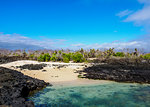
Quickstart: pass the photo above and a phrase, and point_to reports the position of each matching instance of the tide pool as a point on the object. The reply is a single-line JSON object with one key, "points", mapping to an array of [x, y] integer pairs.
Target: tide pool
{"points": [[101, 95]]}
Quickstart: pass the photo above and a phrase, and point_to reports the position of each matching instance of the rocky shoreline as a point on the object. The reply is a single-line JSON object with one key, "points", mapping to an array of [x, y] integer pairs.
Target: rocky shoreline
{"points": [[32, 66], [6, 59], [122, 70], [15, 87]]}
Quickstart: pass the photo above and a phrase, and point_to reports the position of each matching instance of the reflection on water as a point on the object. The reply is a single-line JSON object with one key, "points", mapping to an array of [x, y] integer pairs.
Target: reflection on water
{"points": [[104, 95]]}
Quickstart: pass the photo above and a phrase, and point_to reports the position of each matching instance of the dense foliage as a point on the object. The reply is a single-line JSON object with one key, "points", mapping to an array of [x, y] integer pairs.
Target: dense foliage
{"points": [[77, 56], [146, 56], [119, 54]]}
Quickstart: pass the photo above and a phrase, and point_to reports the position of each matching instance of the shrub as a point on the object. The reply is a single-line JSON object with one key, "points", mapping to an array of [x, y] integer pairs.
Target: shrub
{"points": [[128, 55], [119, 54], [79, 76], [59, 52], [53, 58], [98, 55], [82, 51], [16, 54], [92, 53], [110, 52], [31, 56], [85, 54], [146, 56], [66, 57], [24, 54], [47, 57], [66, 60], [78, 57], [44, 57], [41, 58]]}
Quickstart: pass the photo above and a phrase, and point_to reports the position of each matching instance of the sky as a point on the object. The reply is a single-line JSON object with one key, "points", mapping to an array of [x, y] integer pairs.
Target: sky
{"points": [[74, 24]]}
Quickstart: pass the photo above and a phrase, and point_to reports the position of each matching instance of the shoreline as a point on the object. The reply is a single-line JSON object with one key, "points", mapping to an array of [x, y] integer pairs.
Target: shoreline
{"points": [[80, 82], [15, 87], [63, 75], [89, 82], [52, 72], [58, 72]]}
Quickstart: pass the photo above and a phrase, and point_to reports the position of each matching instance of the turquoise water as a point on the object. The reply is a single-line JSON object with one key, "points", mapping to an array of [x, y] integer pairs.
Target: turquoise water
{"points": [[105, 95]]}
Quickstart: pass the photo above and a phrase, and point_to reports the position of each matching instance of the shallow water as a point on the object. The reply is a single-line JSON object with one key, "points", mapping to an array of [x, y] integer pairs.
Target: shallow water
{"points": [[102, 95]]}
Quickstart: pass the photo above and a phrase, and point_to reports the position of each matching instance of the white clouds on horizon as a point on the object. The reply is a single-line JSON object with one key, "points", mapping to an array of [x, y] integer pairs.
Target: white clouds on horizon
{"points": [[78, 45], [15, 41], [25, 42], [119, 45]]}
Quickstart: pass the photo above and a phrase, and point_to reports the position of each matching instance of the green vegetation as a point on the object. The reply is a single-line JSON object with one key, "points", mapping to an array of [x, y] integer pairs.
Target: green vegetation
{"points": [[77, 56], [119, 54], [47, 57], [41, 58], [79, 76], [66, 57], [92, 53], [66, 60], [31, 56], [109, 52], [54, 58], [44, 57], [146, 56]]}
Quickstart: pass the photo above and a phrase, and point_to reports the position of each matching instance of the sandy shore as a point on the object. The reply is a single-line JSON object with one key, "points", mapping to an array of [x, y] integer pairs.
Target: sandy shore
{"points": [[66, 75], [52, 74]]}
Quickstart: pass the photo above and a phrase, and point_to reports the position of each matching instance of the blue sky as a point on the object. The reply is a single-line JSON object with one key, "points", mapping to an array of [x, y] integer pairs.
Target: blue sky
{"points": [[73, 23]]}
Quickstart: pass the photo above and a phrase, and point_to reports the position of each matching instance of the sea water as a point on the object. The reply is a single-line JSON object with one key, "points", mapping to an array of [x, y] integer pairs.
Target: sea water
{"points": [[99, 95]]}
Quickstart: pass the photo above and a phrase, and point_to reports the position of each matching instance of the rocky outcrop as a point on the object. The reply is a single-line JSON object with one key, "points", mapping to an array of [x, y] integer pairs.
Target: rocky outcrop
{"points": [[32, 66], [6, 59], [15, 87], [124, 70]]}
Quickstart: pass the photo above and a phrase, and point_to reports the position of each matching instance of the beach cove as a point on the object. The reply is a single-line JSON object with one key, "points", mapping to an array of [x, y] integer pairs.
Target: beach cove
{"points": [[69, 90]]}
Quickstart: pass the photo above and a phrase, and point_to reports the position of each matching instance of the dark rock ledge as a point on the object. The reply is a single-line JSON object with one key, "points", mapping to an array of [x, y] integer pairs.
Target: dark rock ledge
{"points": [[119, 70], [7, 59], [32, 66], [15, 87]]}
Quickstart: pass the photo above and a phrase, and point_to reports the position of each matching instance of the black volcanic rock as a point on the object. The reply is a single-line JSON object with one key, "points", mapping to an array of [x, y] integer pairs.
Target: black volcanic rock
{"points": [[15, 87], [6, 59], [32, 66], [120, 70]]}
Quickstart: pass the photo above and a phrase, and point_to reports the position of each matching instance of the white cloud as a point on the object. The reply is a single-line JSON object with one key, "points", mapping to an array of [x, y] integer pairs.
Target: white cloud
{"points": [[78, 45], [144, 1], [119, 45], [16, 41], [124, 13], [140, 17]]}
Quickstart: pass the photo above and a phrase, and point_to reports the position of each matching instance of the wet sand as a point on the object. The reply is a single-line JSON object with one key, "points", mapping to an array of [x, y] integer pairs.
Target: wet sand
{"points": [[80, 82]]}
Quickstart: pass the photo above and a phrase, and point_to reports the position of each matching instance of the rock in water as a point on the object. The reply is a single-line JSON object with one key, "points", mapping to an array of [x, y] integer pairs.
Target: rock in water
{"points": [[15, 87]]}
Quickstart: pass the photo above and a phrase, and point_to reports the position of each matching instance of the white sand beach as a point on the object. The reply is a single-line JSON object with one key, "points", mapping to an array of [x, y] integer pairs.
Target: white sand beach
{"points": [[65, 75]]}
